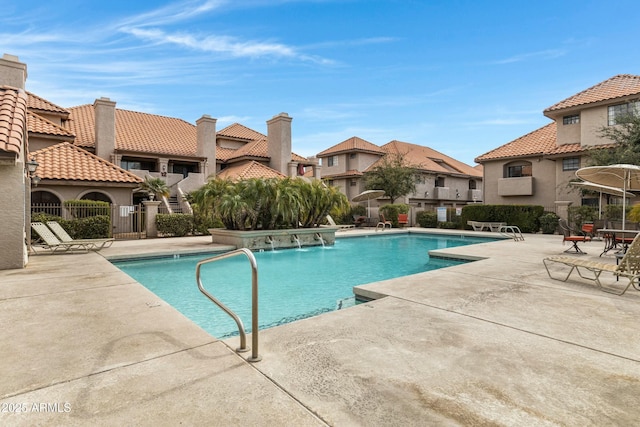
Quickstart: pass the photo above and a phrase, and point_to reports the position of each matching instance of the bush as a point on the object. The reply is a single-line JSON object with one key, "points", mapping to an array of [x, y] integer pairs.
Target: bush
{"points": [[391, 212], [549, 223], [174, 224], [427, 219], [578, 215], [93, 227], [526, 217]]}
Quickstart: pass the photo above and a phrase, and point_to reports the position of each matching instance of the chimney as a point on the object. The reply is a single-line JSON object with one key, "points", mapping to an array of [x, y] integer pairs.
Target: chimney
{"points": [[12, 72], [206, 142], [279, 142], [105, 143]]}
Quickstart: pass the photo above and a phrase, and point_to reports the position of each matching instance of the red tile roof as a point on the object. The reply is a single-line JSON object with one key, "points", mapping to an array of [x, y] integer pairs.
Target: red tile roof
{"points": [[429, 159], [41, 104], [41, 126], [13, 120], [138, 132], [67, 162], [246, 170], [352, 144], [238, 131], [348, 174], [615, 87], [538, 142]]}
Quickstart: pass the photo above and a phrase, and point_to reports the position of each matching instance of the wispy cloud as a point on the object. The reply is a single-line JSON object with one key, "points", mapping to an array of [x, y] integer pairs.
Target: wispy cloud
{"points": [[541, 55]]}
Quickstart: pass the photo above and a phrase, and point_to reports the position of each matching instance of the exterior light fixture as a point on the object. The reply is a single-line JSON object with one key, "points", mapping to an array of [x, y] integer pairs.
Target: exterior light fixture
{"points": [[32, 166]]}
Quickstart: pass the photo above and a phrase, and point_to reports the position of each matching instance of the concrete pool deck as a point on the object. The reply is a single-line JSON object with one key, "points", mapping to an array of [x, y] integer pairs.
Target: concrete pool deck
{"points": [[491, 342]]}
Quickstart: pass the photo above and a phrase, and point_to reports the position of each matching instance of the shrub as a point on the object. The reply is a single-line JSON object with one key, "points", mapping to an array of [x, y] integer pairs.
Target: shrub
{"points": [[578, 215], [427, 219], [93, 227], [526, 217], [174, 224], [391, 212], [549, 223]]}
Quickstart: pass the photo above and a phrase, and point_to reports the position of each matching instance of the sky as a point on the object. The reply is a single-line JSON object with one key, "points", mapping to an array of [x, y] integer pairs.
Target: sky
{"points": [[460, 76]]}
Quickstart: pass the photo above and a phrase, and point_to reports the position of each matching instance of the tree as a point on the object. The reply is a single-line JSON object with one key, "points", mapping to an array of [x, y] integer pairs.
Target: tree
{"points": [[394, 175], [154, 187], [626, 136]]}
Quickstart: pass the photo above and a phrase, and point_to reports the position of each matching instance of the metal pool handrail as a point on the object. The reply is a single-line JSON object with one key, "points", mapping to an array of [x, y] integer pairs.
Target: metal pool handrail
{"points": [[254, 301]]}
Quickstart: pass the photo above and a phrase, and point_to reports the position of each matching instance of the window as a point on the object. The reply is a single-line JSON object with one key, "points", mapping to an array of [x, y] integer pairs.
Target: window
{"points": [[440, 181], [472, 184], [518, 170], [332, 161], [571, 120], [353, 183], [620, 110], [571, 164], [129, 164], [352, 155]]}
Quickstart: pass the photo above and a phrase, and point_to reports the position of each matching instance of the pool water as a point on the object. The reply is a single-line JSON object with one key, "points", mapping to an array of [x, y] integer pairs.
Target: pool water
{"points": [[293, 283]]}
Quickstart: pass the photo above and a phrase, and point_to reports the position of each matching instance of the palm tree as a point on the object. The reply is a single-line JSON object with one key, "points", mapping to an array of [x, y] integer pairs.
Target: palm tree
{"points": [[154, 187]]}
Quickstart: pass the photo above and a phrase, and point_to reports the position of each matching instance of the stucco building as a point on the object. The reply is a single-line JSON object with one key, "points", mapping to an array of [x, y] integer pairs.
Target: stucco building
{"points": [[537, 167], [444, 181]]}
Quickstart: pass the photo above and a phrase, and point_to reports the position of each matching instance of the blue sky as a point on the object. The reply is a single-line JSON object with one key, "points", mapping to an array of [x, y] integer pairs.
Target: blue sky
{"points": [[461, 77]]}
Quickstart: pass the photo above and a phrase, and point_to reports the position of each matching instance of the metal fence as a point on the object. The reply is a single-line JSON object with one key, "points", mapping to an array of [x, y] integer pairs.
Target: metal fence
{"points": [[127, 221]]}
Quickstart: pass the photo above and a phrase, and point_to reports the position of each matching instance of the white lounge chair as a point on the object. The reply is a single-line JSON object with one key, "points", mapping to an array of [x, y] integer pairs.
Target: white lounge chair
{"points": [[628, 267], [52, 243], [341, 226], [93, 244]]}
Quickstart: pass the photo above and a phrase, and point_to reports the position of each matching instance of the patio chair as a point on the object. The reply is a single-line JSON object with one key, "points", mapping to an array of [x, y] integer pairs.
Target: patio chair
{"points": [[383, 223], [628, 267], [573, 237], [341, 226], [52, 243], [93, 244], [403, 219]]}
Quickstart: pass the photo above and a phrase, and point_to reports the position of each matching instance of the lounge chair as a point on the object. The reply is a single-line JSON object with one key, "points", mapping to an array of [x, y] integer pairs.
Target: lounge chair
{"points": [[93, 244], [52, 243], [573, 237], [383, 223], [341, 226], [628, 267]]}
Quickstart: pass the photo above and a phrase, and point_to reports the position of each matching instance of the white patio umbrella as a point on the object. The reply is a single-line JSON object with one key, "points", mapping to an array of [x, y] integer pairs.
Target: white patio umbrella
{"points": [[623, 176], [602, 189], [368, 195]]}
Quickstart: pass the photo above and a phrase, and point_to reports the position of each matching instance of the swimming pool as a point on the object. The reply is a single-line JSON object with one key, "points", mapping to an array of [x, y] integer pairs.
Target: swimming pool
{"points": [[293, 283]]}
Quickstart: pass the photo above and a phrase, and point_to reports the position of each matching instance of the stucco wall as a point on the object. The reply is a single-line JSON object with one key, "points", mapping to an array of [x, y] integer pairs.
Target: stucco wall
{"points": [[591, 120], [544, 185], [12, 232]]}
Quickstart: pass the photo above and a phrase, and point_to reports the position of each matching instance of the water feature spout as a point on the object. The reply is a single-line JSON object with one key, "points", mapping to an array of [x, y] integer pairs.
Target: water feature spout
{"points": [[318, 236], [294, 238], [269, 240]]}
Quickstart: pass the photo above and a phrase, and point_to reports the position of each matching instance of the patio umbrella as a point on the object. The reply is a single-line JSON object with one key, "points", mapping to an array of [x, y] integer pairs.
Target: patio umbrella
{"points": [[368, 195], [602, 189], [623, 176]]}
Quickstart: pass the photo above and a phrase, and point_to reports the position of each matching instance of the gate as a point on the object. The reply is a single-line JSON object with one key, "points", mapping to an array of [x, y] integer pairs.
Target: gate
{"points": [[128, 221]]}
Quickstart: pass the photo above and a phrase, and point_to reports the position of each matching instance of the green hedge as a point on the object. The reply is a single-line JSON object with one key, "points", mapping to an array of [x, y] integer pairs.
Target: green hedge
{"points": [[427, 219], [94, 227], [526, 217], [174, 224]]}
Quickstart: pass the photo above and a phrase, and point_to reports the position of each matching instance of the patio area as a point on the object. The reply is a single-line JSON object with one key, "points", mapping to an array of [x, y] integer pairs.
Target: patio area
{"points": [[490, 342]]}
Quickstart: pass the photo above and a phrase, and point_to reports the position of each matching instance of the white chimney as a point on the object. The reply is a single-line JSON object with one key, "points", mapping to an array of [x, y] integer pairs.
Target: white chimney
{"points": [[206, 138], [279, 142], [105, 143]]}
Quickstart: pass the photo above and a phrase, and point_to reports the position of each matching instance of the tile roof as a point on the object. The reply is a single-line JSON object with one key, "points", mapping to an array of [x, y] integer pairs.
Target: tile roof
{"points": [[256, 148], [13, 112], [429, 159], [67, 162], [238, 131], [39, 125], [615, 87], [348, 174], [41, 104], [138, 132], [250, 169], [538, 142], [352, 144]]}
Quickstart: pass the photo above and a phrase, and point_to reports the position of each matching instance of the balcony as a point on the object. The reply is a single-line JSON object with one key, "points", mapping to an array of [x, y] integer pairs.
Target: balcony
{"points": [[521, 186], [441, 193], [475, 195]]}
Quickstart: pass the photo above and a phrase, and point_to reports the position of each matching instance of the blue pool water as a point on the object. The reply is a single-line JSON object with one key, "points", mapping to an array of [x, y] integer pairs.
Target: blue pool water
{"points": [[293, 283]]}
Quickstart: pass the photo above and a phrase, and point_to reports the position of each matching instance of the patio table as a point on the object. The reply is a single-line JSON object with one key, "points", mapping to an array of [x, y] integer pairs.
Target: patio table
{"points": [[612, 235]]}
